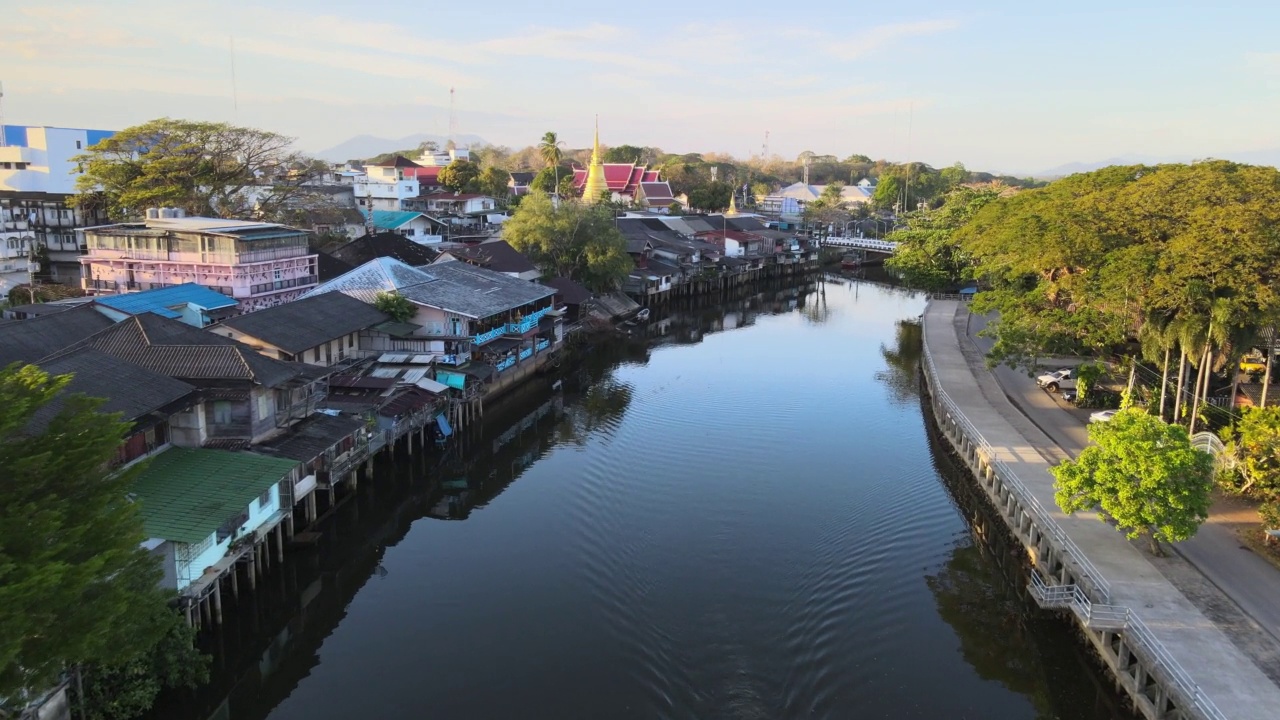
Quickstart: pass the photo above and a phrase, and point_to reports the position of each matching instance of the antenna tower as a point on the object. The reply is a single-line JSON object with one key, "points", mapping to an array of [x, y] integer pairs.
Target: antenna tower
{"points": [[453, 118], [764, 150], [4, 142]]}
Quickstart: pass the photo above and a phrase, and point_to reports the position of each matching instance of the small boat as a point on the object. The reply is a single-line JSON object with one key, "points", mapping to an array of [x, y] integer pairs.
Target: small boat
{"points": [[850, 262], [643, 314]]}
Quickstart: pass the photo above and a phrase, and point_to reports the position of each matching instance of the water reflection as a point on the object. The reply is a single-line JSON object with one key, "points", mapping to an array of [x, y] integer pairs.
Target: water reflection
{"points": [[902, 372], [696, 533]]}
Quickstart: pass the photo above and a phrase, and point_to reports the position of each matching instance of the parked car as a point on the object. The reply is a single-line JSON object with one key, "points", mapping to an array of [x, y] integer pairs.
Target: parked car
{"points": [[1102, 415], [1056, 380], [1253, 365]]}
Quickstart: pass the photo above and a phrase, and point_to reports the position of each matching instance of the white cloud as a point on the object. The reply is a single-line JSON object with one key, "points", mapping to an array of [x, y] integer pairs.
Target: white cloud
{"points": [[878, 38]]}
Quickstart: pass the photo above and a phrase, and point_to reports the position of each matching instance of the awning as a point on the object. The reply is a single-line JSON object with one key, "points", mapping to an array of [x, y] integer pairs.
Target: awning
{"points": [[443, 424], [431, 385]]}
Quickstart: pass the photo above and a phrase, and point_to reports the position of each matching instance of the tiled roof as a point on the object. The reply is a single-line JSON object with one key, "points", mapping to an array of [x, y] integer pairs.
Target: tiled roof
{"points": [[329, 267], [160, 301], [400, 161], [171, 348], [312, 437], [497, 256], [385, 244], [656, 191], [184, 494], [303, 324], [522, 178], [454, 286], [30, 340], [745, 223], [128, 389], [569, 291]]}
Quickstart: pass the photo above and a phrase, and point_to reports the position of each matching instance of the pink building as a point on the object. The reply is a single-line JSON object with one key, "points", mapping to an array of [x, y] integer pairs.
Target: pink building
{"points": [[258, 264]]}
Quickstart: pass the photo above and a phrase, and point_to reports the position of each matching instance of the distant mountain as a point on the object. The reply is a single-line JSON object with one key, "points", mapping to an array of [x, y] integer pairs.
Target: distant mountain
{"points": [[367, 146], [1251, 157]]}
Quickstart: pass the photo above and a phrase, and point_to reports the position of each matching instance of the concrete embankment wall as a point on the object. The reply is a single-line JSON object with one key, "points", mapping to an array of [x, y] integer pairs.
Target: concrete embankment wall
{"points": [[1143, 629]]}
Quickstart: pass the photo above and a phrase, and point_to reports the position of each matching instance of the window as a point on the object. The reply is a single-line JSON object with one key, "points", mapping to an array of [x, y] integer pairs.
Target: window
{"points": [[265, 498], [351, 340], [222, 412], [78, 147], [264, 407], [315, 354]]}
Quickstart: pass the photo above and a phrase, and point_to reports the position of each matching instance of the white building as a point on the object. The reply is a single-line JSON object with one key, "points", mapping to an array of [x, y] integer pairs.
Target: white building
{"points": [[386, 187], [38, 159]]}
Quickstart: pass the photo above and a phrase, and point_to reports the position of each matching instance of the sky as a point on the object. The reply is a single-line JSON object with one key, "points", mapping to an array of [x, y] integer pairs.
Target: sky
{"points": [[1000, 86]]}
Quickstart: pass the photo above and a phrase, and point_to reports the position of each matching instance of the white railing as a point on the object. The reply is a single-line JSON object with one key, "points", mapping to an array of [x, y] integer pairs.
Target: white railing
{"points": [[1136, 632], [886, 246]]}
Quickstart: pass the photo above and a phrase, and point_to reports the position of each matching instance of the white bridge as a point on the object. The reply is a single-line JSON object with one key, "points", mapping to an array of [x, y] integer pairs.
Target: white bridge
{"points": [[884, 246]]}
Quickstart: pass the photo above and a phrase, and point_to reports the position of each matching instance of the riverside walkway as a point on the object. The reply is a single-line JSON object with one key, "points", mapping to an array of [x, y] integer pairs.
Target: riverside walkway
{"points": [[1184, 647]]}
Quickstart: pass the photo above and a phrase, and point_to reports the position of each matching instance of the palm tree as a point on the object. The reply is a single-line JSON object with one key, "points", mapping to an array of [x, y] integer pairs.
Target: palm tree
{"points": [[552, 154]]}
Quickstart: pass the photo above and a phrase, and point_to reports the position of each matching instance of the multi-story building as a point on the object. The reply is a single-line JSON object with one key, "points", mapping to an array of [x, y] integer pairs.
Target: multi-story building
{"points": [[386, 187], [37, 179], [39, 159], [258, 264], [42, 226]]}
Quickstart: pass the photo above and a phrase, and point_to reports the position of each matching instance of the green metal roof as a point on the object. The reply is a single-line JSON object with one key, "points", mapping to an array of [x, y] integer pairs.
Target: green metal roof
{"points": [[186, 494]]}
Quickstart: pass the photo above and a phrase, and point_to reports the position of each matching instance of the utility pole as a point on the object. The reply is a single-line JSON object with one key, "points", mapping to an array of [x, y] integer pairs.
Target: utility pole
{"points": [[4, 142]]}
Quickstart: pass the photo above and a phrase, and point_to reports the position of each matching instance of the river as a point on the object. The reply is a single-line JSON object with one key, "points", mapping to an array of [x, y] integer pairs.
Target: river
{"points": [[743, 514]]}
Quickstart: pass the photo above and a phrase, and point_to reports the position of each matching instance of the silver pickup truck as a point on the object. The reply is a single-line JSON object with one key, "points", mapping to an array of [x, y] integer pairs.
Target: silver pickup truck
{"points": [[1057, 380]]}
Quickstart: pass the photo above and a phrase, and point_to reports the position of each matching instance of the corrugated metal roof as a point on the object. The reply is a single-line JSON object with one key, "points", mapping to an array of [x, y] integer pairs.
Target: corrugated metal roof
{"points": [[393, 219], [160, 301], [454, 286], [186, 494]]}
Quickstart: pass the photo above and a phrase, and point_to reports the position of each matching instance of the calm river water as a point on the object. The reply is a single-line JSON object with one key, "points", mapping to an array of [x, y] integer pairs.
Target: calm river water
{"points": [[743, 515]]}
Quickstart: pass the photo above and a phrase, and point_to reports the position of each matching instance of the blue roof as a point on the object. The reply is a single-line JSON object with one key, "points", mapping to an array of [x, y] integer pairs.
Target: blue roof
{"points": [[160, 301], [392, 219]]}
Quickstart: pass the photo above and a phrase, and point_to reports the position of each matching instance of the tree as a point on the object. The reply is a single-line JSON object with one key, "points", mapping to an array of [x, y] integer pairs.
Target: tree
{"points": [[888, 193], [1142, 473], [928, 255], [1254, 445], [399, 307], [204, 168], [126, 687], [546, 179], [624, 154], [711, 197], [460, 176], [574, 240], [493, 181], [76, 588]]}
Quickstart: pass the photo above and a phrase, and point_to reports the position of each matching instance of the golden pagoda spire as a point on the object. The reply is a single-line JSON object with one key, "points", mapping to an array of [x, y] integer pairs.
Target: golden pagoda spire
{"points": [[596, 185], [733, 205]]}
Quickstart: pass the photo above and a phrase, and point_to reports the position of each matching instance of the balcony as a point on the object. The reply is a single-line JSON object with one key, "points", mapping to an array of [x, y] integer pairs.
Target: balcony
{"points": [[490, 336], [525, 354], [541, 345], [527, 324], [505, 363]]}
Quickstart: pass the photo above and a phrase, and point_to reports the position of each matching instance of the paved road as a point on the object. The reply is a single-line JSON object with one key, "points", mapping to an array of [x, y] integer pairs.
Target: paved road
{"points": [[1250, 581]]}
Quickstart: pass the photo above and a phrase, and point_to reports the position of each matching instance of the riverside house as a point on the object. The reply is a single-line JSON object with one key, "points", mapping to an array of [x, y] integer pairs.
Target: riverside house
{"points": [[327, 329], [459, 310], [246, 397]]}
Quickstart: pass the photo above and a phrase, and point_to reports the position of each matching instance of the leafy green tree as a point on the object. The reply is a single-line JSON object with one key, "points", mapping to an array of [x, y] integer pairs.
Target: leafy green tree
{"points": [[623, 154], [551, 148], [574, 240], [888, 193], [399, 307], [493, 181], [205, 168], [126, 687], [460, 176], [711, 197], [76, 588], [1143, 474], [954, 175], [928, 254], [1254, 446]]}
